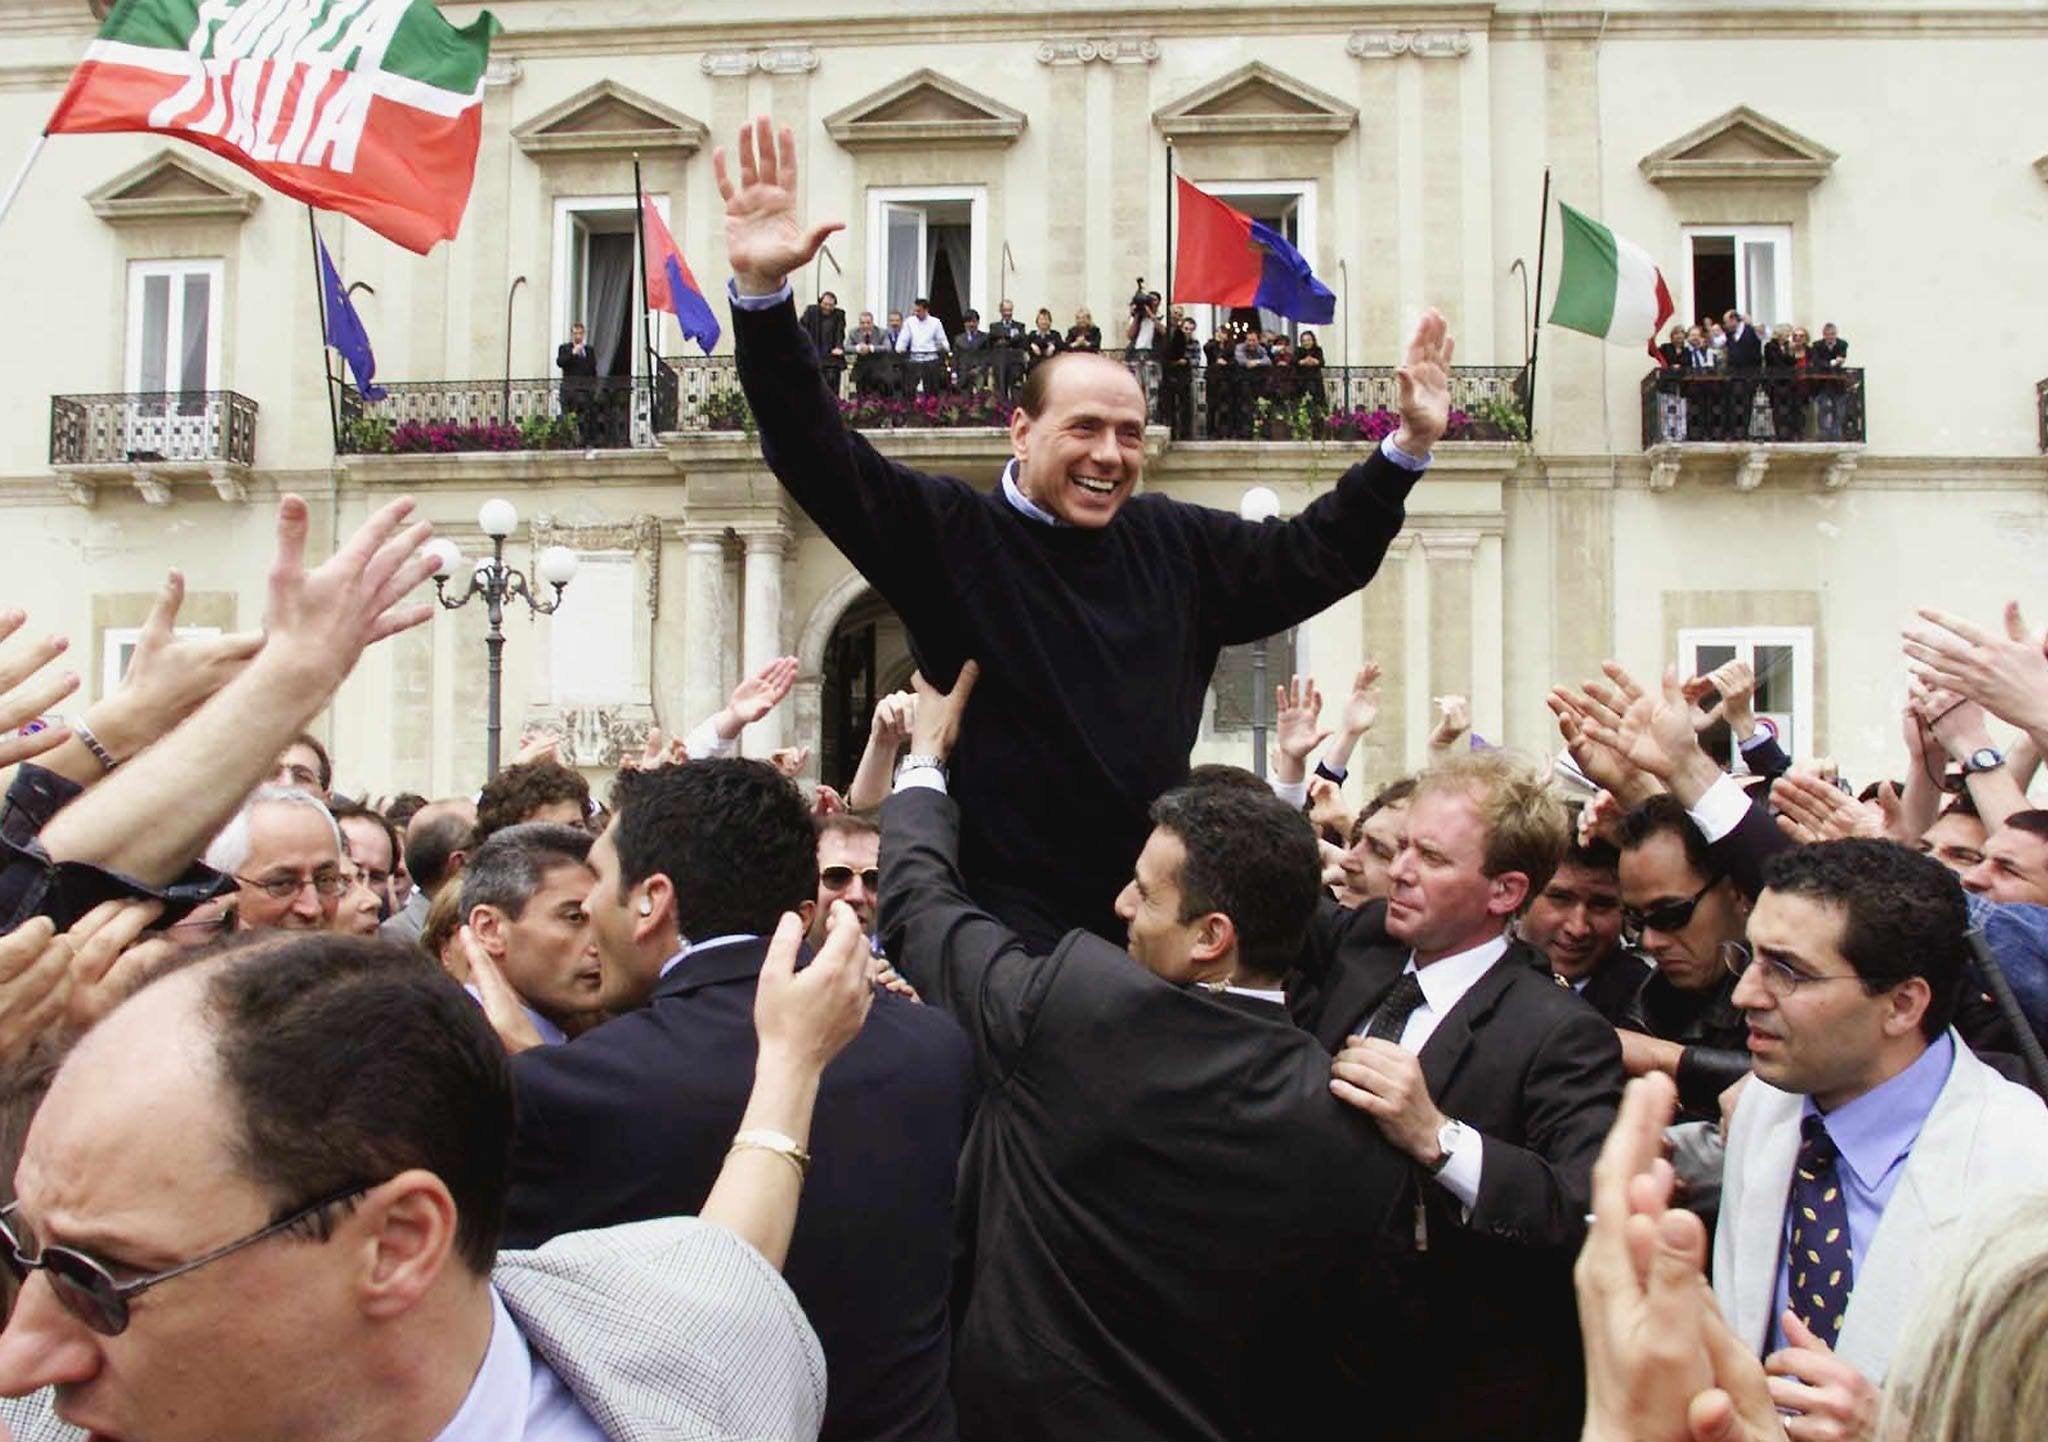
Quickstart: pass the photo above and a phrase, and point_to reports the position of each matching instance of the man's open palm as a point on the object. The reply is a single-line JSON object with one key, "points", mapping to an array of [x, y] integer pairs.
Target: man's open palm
{"points": [[764, 238]]}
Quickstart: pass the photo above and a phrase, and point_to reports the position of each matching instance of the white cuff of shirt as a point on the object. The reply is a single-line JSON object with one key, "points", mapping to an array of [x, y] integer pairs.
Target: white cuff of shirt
{"points": [[757, 302], [1755, 739], [926, 778], [1402, 459], [705, 744], [1294, 793], [1721, 810], [1460, 1173]]}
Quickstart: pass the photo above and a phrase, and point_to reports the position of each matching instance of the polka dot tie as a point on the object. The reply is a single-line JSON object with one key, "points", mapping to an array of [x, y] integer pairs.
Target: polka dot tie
{"points": [[1392, 1017], [1821, 1263]]}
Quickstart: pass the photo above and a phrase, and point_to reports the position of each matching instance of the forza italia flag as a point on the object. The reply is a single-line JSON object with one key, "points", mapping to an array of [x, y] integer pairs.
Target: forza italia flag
{"points": [[369, 107], [1608, 286]]}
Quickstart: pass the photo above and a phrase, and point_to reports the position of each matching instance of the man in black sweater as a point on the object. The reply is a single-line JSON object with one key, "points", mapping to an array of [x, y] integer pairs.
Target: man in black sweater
{"points": [[1096, 616]]}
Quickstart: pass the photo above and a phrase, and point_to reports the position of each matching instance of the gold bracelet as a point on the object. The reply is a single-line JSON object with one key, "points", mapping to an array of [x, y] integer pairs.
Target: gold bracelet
{"points": [[763, 1140]]}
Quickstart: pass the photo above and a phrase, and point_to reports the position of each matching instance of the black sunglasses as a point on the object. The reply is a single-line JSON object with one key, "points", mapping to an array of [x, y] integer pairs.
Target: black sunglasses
{"points": [[838, 878], [86, 1286], [1666, 916]]}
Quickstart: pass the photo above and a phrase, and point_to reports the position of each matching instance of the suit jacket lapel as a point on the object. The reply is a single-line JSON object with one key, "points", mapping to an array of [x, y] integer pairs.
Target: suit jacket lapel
{"points": [[1355, 990], [1447, 1046], [1760, 1230]]}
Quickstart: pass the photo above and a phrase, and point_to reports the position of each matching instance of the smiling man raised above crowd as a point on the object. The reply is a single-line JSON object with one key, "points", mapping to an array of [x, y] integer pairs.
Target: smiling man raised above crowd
{"points": [[1097, 614]]}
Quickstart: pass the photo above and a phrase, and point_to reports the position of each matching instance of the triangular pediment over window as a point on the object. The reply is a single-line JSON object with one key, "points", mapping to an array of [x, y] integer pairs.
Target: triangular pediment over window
{"points": [[1256, 102], [608, 118], [171, 186], [925, 108], [1741, 145]]}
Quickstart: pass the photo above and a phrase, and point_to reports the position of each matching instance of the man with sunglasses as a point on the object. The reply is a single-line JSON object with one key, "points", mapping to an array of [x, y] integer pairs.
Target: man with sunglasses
{"points": [[283, 849], [262, 1200], [849, 855], [1870, 1132], [1681, 910]]}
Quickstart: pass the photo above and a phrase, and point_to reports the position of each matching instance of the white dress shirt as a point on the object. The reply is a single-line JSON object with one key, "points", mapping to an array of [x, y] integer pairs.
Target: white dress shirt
{"points": [[923, 337], [515, 1397], [1444, 983], [691, 948]]}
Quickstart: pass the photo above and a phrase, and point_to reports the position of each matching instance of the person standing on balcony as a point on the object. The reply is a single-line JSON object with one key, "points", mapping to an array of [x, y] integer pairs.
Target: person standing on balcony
{"points": [[825, 323], [1097, 616], [923, 339], [578, 365]]}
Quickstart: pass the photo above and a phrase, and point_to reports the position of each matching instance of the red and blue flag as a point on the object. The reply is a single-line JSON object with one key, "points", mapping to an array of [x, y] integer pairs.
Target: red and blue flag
{"points": [[1224, 257], [670, 286]]}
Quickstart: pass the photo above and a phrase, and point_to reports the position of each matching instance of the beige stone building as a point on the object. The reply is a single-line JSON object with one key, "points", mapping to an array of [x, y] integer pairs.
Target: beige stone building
{"points": [[1877, 165]]}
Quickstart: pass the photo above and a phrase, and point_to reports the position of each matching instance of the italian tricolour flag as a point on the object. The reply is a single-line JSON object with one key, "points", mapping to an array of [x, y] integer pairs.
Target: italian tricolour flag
{"points": [[369, 107], [1608, 286]]}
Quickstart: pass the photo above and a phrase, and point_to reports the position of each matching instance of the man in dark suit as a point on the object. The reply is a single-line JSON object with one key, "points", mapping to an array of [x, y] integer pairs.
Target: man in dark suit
{"points": [[1498, 1085], [633, 1120], [1162, 1186], [1745, 346], [1006, 340], [578, 365], [825, 323]]}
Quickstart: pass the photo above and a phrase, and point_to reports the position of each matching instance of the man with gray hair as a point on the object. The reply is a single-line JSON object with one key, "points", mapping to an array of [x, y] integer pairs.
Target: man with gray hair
{"points": [[284, 851], [522, 899]]}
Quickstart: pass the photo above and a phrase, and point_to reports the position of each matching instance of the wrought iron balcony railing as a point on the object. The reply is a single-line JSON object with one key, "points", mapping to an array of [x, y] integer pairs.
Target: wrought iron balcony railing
{"points": [[197, 428], [1823, 407], [509, 415]]}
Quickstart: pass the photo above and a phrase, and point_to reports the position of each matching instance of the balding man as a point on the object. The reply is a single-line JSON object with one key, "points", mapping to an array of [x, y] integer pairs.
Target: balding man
{"points": [[1097, 616], [437, 843]]}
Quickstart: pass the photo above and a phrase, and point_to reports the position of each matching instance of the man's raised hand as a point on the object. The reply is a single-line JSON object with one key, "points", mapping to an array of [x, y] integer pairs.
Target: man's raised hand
{"points": [[318, 622], [1425, 382], [937, 723], [764, 238]]}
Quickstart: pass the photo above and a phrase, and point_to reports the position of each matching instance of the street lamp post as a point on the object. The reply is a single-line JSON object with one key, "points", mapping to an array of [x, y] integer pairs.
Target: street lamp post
{"points": [[1258, 506], [498, 583]]}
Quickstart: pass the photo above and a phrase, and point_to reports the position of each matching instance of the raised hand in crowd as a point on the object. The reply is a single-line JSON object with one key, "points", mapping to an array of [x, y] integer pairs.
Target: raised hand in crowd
{"points": [[2006, 675], [1655, 732], [764, 238], [1600, 763], [1958, 726], [1453, 719], [1326, 809], [108, 957], [1600, 819], [1733, 685], [888, 734], [755, 697], [1661, 1364], [937, 723], [316, 625], [654, 753], [1297, 728], [1920, 802], [1812, 809], [790, 760], [1424, 379], [540, 744], [22, 702], [1361, 712], [35, 984], [826, 801]]}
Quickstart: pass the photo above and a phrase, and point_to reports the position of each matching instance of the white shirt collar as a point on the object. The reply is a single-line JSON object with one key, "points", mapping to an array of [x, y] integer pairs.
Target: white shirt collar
{"points": [[1016, 497], [1445, 981], [1261, 993], [495, 1408], [691, 948]]}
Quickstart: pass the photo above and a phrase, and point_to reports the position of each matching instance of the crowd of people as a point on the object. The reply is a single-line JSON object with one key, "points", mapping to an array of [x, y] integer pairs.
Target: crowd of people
{"points": [[1039, 1085], [1726, 380]]}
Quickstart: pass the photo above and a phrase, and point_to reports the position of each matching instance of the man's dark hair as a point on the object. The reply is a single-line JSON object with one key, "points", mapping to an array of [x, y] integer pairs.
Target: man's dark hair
{"points": [[1599, 854], [509, 867], [1664, 813], [517, 792], [923, 300], [1252, 857], [1215, 773], [356, 811], [403, 807], [312, 744], [2034, 823], [430, 847], [1394, 793], [1903, 915], [828, 295], [847, 823], [352, 1060], [733, 837]]}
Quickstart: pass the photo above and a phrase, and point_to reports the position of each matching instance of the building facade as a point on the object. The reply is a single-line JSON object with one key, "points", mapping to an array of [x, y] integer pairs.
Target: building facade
{"points": [[1803, 162]]}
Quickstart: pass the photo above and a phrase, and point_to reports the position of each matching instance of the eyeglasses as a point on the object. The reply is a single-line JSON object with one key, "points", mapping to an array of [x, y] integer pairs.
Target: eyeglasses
{"points": [[86, 1286], [1780, 978], [1666, 916], [284, 888], [838, 878]]}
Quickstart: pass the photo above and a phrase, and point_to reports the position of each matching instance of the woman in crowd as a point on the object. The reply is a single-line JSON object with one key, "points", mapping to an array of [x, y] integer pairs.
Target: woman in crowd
{"points": [[1084, 333]]}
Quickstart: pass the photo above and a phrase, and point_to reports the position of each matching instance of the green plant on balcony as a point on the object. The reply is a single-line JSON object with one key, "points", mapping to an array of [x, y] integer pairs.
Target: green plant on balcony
{"points": [[1502, 415], [550, 433], [366, 435], [1291, 419], [728, 411]]}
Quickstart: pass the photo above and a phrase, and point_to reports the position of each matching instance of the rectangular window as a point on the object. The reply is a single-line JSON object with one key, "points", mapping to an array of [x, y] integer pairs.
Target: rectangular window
{"points": [[174, 329], [1739, 267], [929, 241], [1232, 683], [1783, 658]]}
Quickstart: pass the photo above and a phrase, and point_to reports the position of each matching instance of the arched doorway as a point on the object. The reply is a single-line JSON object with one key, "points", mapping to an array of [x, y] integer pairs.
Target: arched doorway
{"points": [[866, 657]]}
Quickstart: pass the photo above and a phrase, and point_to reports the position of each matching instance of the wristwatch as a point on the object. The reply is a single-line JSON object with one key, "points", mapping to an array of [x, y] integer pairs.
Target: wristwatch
{"points": [[1984, 758], [915, 762], [1447, 1137]]}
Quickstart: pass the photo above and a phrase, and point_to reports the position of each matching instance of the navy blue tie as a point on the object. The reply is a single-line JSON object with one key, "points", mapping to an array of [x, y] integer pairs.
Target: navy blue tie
{"points": [[1822, 1261]]}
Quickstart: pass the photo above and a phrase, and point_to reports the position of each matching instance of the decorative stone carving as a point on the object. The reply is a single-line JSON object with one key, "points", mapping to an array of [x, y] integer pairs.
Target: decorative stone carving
{"points": [[1423, 44], [77, 490], [787, 60], [729, 64], [640, 535], [925, 108], [228, 486], [1449, 545], [1756, 462], [171, 186], [597, 736], [1079, 50], [1740, 145], [1664, 461], [156, 492], [1255, 102], [503, 71], [607, 118], [1840, 470]]}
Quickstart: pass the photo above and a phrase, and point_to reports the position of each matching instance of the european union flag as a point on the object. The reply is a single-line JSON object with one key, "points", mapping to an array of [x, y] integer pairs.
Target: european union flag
{"points": [[345, 329]]}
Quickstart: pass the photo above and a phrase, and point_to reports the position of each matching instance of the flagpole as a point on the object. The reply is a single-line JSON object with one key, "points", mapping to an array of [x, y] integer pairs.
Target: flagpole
{"points": [[1169, 227], [326, 355], [640, 254], [21, 175], [1536, 321]]}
